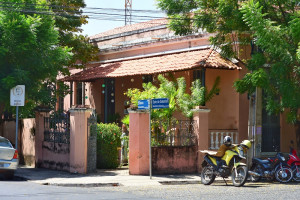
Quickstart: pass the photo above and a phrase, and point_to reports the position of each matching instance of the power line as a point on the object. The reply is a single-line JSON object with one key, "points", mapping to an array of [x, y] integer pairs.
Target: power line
{"points": [[85, 8], [93, 14], [75, 14], [67, 13]]}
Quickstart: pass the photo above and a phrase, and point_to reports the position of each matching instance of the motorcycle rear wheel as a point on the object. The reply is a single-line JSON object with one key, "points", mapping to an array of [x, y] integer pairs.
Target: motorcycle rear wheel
{"points": [[239, 176], [284, 174], [207, 175], [296, 173]]}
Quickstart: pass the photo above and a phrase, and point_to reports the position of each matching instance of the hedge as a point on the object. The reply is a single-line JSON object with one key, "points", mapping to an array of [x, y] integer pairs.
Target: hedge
{"points": [[108, 141]]}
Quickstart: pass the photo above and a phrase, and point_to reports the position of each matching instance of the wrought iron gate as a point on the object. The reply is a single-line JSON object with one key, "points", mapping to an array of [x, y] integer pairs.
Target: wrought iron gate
{"points": [[57, 128]]}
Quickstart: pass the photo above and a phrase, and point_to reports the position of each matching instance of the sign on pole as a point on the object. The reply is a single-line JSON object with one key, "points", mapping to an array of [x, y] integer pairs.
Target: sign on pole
{"points": [[17, 95], [143, 104], [17, 98], [160, 103]]}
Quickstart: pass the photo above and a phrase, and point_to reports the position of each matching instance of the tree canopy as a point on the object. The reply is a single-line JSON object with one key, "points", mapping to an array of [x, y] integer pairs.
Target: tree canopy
{"points": [[68, 19], [272, 27], [39, 41]]}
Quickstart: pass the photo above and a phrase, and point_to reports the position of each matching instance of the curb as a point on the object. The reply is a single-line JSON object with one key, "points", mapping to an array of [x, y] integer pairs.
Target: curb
{"points": [[84, 185]]}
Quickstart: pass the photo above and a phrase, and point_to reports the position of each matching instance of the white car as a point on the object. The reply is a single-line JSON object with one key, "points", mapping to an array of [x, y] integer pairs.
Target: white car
{"points": [[9, 159]]}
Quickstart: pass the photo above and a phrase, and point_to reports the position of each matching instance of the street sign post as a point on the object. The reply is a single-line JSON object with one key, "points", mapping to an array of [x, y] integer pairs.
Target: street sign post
{"points": [[149, 104], [17, 98]]}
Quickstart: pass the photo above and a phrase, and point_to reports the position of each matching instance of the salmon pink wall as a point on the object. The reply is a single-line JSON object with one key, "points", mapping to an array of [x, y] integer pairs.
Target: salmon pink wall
{"points": [[224, 107], [27, 141], [56, 156], [170, 160], [139, 143], [78, 140], [287, 133]]}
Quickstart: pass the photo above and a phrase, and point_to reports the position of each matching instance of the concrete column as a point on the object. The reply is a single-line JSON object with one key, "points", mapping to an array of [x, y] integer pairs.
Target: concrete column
{"points": [[139, 142], [201, 118], [39, 135], [79, 139]]}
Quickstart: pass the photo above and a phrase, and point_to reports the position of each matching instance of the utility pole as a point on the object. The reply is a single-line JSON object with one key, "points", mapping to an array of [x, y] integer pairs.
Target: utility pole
{"points": [[128, 11]]}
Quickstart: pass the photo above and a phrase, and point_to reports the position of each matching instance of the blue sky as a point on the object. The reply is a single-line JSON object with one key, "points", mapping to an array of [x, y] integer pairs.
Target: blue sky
{"points": [[110, 19]]}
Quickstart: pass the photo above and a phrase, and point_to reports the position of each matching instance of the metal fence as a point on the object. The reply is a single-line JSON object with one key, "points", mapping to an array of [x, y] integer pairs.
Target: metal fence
{"points": [[173, 133], [57, 128]]}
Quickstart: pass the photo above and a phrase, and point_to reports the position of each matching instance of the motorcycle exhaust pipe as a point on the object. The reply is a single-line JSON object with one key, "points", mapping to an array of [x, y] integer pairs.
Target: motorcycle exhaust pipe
{"points": [[254, 173]]}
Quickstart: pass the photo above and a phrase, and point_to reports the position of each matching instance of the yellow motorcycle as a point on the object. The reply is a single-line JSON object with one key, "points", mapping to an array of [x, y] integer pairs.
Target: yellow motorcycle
{"points": [[230, 165]]}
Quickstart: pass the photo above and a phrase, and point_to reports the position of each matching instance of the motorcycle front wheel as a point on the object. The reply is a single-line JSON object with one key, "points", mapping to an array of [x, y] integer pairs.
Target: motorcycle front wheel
{"points": [[296, 173], [207, 175], [239, 176], [284, 174]]}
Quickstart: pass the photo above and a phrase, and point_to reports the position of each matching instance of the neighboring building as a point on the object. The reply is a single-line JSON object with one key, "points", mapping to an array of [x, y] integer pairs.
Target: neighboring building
{"points": [[133, 54]]}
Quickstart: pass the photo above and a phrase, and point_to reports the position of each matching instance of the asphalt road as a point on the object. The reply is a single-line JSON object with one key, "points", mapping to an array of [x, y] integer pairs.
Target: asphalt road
{"points": [[21, 189]]}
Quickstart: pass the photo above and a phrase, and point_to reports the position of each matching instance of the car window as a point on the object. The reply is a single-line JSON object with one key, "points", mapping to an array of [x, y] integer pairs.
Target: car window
{"points": [[5, 143]]}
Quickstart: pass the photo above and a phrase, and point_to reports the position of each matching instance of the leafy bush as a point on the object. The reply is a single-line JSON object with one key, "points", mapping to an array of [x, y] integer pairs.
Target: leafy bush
{"points": [[108, 140]]}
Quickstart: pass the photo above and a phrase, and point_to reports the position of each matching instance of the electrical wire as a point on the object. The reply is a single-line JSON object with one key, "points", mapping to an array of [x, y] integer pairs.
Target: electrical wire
{"points": [[62, 11], [85, 8]]}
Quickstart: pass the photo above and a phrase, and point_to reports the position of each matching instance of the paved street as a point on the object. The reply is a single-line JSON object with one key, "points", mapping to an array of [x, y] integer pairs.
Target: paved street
{"points": [[217, 191], [21, 189]]}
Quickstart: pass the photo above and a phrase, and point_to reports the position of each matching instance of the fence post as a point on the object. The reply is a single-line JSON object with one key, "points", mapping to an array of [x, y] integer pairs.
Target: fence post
{"points": [[79, 139], [201, 118], [139, 142], [40, 114]]}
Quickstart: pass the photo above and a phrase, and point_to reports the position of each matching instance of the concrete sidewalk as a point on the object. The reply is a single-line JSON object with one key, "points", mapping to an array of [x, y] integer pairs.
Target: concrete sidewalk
{"points": [[117, 177]]}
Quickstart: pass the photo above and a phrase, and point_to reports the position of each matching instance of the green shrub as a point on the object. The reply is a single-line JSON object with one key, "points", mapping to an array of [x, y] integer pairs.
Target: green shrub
{"points": [[108, 141]]}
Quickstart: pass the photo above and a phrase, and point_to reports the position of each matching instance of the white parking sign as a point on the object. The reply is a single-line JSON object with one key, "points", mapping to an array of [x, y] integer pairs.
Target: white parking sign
{"points": [[17, 95]]}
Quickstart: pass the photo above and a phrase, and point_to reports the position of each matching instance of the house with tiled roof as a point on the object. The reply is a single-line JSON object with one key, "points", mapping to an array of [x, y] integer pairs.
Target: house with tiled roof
{"points": [[132, 54], [138, 53]]}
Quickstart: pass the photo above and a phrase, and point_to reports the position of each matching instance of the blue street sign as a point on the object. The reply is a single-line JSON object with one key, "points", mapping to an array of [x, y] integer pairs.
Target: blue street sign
{"points": [[143, 104], [160, 103]]}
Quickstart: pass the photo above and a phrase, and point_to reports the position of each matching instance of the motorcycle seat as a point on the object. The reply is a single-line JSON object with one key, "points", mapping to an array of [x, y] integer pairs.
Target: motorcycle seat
{"points": [[261, 160], [211, 153]]}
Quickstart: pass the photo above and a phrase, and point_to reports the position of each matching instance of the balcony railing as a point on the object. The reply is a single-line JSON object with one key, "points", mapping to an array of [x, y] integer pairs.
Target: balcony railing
{"points": [[217, 136]]}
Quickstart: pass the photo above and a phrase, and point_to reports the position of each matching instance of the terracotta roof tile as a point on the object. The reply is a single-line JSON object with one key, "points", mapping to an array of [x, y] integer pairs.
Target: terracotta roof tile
{"points": [[132, 27], [157, 64]]}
